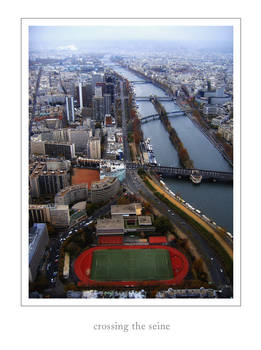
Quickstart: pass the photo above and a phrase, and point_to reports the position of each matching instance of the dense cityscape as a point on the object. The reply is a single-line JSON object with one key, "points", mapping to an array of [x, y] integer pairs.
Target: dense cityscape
{"points": [[130, 172]]}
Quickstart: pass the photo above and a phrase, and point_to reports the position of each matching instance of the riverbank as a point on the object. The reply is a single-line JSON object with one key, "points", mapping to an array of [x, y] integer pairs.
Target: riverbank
{"points": [[218, 144], [216, 201], [174, 138], [214, 240]]}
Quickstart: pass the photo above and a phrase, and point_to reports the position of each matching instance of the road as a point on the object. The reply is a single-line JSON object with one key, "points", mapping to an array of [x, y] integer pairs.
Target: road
{"points": [[127, 155], [135, 184]]}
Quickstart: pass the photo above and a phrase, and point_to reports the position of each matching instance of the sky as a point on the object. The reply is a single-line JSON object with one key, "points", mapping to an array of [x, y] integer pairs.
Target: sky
{"points": [[54, 37]]}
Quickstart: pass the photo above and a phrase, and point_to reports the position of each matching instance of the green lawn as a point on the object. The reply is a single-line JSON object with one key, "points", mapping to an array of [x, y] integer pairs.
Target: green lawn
{"points": [[131, 265]]}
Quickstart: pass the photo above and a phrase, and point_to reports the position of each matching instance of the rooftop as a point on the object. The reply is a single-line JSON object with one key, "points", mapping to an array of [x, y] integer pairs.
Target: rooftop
{"points": [[126, 209], [110, 224], [144, 220]]}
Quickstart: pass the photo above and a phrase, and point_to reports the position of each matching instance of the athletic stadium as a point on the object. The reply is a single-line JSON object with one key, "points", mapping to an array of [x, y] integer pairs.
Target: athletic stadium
{"points": [[130, 266]]}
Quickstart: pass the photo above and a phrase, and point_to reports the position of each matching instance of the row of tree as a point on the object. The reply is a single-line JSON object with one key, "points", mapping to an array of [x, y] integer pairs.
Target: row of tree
{"points": [[182, 151]]}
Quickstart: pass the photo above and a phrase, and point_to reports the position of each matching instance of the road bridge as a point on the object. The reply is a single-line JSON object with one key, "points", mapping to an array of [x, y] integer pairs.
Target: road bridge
{"points": [[208, 175], [149, 98], [139, 82], [150, 117]]}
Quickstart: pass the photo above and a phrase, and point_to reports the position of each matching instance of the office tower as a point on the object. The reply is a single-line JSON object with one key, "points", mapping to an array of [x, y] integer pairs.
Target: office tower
{"points": [[83, 95], [107, 103], [69, 104], [109, 89], [96, 78], [87, 95], [80, 95], [98, 108], [95, 148]]}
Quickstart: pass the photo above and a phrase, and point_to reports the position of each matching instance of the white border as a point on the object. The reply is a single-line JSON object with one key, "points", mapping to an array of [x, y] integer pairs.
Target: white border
{"points": [[25, 23]]}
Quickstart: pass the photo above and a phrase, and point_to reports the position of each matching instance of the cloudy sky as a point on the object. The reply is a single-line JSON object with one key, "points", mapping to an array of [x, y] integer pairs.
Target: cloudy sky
{"points": [[77, 36]]}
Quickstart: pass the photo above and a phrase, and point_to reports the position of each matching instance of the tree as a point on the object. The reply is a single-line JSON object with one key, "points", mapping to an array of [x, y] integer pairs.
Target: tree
{"points": [[162, 224]]}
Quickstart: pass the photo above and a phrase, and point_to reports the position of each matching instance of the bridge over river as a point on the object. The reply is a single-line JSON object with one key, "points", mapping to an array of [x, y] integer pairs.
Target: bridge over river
{"points": [[150, 117], [207, 175], [150, 98]]}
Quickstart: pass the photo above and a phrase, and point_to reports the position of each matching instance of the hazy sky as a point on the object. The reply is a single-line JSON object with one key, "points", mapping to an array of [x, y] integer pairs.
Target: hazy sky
{"points": [[55, 36]]}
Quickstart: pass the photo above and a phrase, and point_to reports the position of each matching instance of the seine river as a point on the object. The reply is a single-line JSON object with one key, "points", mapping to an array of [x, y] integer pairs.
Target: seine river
{"points": [[214, 199]]}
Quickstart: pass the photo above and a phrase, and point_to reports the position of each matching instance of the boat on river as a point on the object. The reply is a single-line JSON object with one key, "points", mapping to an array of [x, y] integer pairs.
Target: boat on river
{"points": [[195, 177]]}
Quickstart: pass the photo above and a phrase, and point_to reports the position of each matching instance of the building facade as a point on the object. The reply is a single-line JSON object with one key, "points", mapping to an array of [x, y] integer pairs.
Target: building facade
{"points": [[69, 108], [60, 149], [57, 215], [38, 241], [104, 189], [98, 108], [46, 182], [71, 194], [95, 148]]}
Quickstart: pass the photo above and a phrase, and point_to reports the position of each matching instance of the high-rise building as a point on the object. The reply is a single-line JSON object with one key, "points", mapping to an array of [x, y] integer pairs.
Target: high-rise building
{"points": [[109, 89], [69, 105], [98, 108], [96, 78], [95, 148], [87, 95], [80, 95], [107, 103], [84, 93]]}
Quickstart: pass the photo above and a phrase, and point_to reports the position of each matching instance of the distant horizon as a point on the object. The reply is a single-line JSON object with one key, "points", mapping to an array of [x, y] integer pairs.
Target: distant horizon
{"points": [[76, 38]]}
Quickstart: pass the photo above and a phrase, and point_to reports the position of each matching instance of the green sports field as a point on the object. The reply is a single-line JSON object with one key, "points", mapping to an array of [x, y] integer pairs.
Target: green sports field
{"points": [[131, 265]]}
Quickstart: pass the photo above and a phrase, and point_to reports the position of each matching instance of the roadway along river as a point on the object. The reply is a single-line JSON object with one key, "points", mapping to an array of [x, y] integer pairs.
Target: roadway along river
{"points": [[214, 199]]}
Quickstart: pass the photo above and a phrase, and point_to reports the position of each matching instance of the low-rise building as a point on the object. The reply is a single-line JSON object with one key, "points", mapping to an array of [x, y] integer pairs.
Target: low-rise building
{"points": [[126, 209], [113, 226], [226, 131]]}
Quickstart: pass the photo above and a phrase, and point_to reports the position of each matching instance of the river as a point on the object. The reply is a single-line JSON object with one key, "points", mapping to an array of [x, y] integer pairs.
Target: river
{"points": [[214, 199]]}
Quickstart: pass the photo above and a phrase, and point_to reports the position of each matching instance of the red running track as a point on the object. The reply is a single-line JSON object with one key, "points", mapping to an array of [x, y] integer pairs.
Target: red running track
{"points": [[83, 263]]}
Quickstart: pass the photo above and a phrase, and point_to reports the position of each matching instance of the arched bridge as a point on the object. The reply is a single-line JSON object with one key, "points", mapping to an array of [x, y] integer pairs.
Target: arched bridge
{"points": [[208, 175]]}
